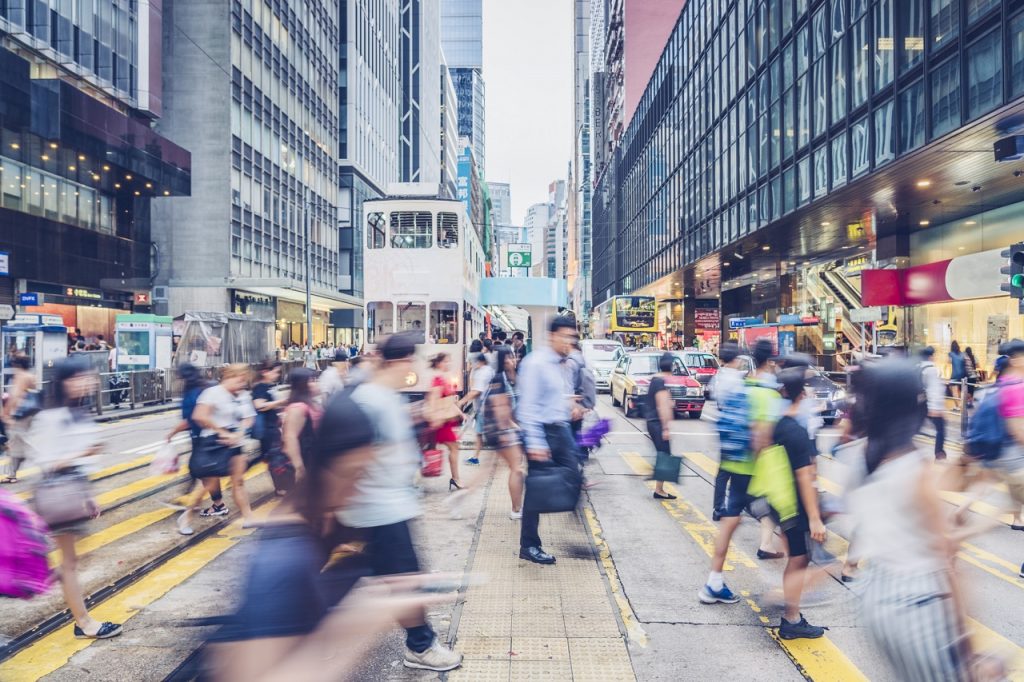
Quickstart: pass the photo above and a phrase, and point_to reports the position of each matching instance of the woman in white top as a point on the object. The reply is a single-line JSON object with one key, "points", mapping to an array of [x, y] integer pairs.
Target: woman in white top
{"points": [[61, 441], [911, 603], [224, 411]]}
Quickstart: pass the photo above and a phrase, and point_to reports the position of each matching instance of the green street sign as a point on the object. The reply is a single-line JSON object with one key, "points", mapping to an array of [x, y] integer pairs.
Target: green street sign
{"points": [[520, 259]]}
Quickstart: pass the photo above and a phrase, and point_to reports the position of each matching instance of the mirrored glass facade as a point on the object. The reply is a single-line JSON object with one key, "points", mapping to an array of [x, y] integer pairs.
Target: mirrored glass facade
{"points": [[759, 108]]}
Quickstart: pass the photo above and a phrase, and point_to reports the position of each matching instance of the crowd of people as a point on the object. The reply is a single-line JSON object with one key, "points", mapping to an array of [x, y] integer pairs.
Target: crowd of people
{"points": [[345, 452]]}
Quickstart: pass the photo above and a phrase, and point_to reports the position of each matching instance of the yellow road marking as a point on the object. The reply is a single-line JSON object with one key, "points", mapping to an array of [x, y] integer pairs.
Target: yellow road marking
{"points": [[53, 651], [817, 659], [634, 631], [118, 531]]}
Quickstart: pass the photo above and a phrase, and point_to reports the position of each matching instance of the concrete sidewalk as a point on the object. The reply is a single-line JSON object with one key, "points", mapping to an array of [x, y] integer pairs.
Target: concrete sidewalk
{"points": [[531, 622]]}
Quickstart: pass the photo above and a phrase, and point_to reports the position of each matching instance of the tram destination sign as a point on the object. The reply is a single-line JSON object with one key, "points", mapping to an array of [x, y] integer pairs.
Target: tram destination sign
{"points": [[519, 255]]}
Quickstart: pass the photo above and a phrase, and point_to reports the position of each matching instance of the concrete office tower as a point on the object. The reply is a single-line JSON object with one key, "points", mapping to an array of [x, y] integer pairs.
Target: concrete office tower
{"points": [[420, 111], [80, 163], [264, 133], [449, 137], [596, 113], [462, 31], [536, 225], [501, 199], [581, 182]]}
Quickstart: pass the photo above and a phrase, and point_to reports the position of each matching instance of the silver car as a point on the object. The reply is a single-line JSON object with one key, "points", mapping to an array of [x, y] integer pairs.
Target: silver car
{"points": [[602, 355]]}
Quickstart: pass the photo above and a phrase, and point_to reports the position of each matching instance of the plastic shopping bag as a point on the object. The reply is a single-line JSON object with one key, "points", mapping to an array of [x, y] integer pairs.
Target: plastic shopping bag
{"points": [[165, 462]]}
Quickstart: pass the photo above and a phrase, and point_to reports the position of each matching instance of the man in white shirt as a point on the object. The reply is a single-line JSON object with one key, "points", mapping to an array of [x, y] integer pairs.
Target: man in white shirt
{"points": [[935, 394], [333, 378]]}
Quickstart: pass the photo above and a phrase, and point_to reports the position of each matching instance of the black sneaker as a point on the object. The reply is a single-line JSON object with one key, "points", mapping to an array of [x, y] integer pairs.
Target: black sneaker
{"points": [[106, 631], [799, 630]]}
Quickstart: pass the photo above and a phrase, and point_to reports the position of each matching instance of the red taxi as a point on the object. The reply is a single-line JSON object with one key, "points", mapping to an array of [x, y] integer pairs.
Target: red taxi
{"points": [[632, 376]]}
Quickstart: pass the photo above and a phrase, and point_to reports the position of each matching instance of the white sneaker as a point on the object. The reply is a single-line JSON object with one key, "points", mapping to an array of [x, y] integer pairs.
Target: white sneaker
{"points": [[437, 657], [515, 515], [183, 527]]}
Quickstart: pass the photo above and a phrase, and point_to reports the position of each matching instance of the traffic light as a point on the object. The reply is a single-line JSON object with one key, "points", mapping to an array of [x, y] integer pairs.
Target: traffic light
{"points": [[1014, 270]]}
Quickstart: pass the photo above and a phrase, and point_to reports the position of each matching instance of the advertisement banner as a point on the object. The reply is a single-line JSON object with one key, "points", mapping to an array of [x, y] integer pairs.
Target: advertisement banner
{"points": [[634, 314], [706, 319], [998, 332]]}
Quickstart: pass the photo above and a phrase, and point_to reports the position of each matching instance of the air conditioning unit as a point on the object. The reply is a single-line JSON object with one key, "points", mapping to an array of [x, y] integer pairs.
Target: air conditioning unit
{"points": [[160, 293]]}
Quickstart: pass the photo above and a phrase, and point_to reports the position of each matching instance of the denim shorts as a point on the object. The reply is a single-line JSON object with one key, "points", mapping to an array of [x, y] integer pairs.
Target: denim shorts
{"points": [[736, 497]]}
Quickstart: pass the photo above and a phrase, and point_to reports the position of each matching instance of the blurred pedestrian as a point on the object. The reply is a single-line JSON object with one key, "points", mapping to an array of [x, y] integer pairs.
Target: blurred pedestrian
{"points": [[301, 418], [225, 413], [973, 377], [479, 381], [957, 372], [284, 627], [333, 378], [659, 409], [727, 380], [911, 603], [446, 433], [935, 394], [792, 435], [519, 345], [545, 401], [22, 404], [500, 429], [384, 499], [63, 439], [268, 403], [193, 384]]}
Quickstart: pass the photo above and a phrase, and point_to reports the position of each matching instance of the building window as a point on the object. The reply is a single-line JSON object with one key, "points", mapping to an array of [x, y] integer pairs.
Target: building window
{"points": [[838, 84], [380, 319], [945, 22], [912, 117], [820, 171], [860, 159], [978, 8], [985, 74], [884, 44], [945, 97], [447, 230], [861, 54], [911, 32], [803, 182], [839, 161], [885, 140], [820, 98], [1017, 55], [411, 229], [375, 230]]}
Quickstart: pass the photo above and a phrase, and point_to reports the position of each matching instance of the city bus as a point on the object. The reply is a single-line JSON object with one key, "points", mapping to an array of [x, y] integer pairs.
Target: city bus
{"points": [[423, 264], [633, 320]]}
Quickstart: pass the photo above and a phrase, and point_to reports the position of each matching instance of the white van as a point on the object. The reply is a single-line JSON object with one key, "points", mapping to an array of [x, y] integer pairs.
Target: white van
{"points": [[602, 355]]}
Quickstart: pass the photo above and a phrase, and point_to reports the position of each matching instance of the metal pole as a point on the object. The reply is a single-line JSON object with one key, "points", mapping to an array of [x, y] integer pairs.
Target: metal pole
{"points": [[963, 408], [309, 295]]}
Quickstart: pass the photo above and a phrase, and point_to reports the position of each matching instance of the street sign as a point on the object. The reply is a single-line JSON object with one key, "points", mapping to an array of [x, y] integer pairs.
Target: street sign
{"points": [[30, 298], [870, 314], [6, 312], [519, 255], [5, 263]]}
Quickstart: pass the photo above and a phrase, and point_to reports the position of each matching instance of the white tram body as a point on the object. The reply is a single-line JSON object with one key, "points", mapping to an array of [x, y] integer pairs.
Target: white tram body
{"points": [[423, 264]]}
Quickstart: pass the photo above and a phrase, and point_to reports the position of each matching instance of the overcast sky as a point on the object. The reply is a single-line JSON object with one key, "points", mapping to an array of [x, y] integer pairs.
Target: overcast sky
{"points": [[528, 52]]}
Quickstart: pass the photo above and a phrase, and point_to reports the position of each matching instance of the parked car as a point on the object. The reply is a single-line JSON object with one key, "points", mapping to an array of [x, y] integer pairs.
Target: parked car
{"points": [[703, 366], [602, 355], [632, 376], [829, 393]]}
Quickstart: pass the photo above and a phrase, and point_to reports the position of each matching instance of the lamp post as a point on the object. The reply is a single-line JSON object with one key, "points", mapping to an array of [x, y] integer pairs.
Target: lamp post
{"points": [[310, 361]]}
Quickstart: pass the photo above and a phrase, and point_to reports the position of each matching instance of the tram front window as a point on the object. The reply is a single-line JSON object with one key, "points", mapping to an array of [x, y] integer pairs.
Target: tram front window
{"points": [[444, 326], [447, 230], [380, 320], [412, 229], [412, 317]]}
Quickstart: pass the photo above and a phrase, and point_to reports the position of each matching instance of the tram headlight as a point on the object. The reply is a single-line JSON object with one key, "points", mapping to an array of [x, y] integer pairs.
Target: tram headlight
{"points": [[411, 379]]}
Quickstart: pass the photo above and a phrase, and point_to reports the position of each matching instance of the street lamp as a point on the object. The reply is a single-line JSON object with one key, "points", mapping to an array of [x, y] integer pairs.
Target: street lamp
{"points": [[307, 205]]}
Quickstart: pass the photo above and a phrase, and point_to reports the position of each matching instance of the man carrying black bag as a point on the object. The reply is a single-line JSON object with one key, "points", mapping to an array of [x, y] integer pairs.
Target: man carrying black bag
{"points": [[544, 410]]}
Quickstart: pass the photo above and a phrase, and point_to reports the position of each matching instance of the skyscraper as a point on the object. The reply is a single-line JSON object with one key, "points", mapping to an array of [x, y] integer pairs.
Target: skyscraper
{"points": [[462, 40], [80, 165], [420, 111], [264, 130], [580, 191]]}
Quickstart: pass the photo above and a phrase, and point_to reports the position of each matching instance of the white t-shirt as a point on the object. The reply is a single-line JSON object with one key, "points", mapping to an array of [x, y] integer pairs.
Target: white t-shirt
{"points": [[330, 381], [229, 411], [480, 380]]}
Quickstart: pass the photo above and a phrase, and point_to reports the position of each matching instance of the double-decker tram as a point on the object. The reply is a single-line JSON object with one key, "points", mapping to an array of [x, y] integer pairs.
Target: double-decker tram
{"points": [[629, 319], [423, 264]]}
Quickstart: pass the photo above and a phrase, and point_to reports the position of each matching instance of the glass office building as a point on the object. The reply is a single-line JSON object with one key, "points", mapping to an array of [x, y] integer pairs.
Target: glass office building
{"points": [[781, 123]]}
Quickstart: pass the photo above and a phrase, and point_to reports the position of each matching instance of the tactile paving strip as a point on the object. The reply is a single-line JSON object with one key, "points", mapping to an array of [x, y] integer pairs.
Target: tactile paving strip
{"points": [[537, 671], [481, 671], [540, 649], [486, 648]]}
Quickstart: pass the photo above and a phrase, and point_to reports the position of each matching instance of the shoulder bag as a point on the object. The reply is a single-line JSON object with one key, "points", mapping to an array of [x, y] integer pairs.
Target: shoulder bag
{"points": [[62, 499], [211, 458]]}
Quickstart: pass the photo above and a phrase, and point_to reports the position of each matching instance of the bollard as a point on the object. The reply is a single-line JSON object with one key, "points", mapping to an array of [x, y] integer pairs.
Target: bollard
{"points": [[963, 409]]}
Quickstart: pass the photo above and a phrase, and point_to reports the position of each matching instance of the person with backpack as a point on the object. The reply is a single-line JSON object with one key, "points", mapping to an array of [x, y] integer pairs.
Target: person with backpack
{"points": [[745, 427], [935, 397], [63, 439], [806, 521], [727, 380], [996, 433]]}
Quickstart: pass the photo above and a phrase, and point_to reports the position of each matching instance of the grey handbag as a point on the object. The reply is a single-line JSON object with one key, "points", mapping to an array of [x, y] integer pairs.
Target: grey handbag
{"points": [[63, 499]]}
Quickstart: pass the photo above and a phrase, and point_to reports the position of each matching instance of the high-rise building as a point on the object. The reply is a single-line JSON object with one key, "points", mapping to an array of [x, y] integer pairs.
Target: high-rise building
{"points": [[580, 234], [265, 134], [462, 31], [596, 110], [501, 198], [556, 233], [420, 111], [536, 224], [449, 137], [80, 164], [370, 94]]}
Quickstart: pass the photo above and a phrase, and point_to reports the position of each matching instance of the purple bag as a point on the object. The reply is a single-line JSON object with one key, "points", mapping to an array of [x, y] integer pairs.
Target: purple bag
{"points": [[591, 437], [24, 568]]}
